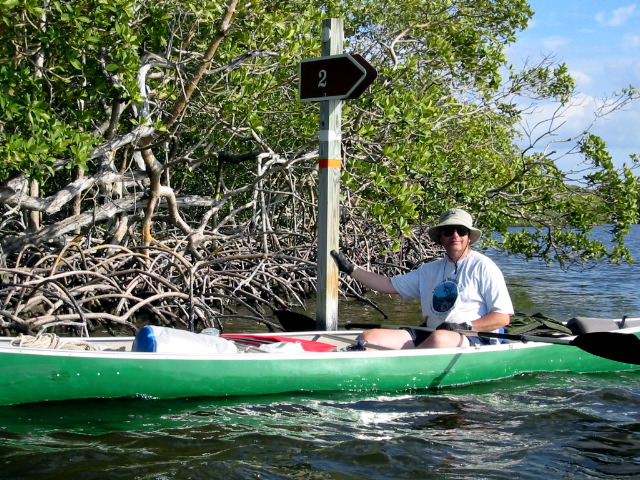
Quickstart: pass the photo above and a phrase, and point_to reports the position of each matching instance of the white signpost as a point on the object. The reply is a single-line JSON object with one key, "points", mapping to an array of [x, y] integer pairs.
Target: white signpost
{"points": [[330, 79]]}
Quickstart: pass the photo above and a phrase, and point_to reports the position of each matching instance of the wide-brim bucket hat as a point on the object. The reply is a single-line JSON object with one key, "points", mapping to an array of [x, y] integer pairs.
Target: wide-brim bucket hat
{"points": [[455, 216]]}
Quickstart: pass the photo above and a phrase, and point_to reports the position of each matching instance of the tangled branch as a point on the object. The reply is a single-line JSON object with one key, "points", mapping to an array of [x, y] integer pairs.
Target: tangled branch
{"points": [[114, 288]]}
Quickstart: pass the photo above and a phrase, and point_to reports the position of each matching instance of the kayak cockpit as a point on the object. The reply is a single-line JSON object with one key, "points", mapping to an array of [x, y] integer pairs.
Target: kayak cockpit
{"points": [[175, 341]]}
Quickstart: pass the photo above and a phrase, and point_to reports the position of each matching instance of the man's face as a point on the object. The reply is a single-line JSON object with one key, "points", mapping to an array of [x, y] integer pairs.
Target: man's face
{"points": [[455, 240]]}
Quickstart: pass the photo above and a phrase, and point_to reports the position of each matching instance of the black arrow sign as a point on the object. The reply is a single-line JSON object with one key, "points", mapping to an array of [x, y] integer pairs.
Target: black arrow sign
{"points": [[334, 77]]}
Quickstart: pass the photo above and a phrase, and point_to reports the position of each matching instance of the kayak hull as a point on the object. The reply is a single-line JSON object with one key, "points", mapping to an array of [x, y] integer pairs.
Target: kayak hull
{"points": [[36, 375]]}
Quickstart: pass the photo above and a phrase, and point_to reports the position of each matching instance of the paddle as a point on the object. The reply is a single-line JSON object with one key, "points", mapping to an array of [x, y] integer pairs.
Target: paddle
{"points": [[620, 347], [295, 322]]}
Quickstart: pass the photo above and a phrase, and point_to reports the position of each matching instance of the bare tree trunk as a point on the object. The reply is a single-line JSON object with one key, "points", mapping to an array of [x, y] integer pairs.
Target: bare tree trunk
{"points": [[34, 215]]}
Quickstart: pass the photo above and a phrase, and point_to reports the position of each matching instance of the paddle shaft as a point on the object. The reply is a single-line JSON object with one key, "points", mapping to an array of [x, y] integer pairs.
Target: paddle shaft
{"points": [[469, 333], [620, 347]]}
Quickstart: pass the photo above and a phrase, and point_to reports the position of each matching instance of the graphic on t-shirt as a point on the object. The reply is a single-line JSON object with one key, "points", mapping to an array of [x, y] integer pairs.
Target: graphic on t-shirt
{"points": [[444, 297]]}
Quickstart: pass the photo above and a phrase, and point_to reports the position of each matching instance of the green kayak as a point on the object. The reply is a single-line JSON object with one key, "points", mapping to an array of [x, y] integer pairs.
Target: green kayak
{"points": [[261, 364]]}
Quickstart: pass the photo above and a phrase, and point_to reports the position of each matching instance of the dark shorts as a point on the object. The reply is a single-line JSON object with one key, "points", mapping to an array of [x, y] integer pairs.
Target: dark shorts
{"points": [[419, 336]]}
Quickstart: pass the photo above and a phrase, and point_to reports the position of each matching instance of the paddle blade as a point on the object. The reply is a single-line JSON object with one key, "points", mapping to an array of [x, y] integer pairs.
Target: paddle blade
{"points": [[295, 322], [621, 347]]}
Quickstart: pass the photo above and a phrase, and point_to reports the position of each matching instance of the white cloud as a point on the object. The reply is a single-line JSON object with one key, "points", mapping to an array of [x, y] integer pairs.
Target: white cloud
{"points": [[603, 58], [635, 71], [556, 128], [555, 42], [579, 113], [619, 131], [631, 40], [565, 121], [583, 81], [618, 17]]}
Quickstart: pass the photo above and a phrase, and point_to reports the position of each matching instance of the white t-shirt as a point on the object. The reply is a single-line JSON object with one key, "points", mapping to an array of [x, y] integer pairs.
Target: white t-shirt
{"points": [[457, 295]]}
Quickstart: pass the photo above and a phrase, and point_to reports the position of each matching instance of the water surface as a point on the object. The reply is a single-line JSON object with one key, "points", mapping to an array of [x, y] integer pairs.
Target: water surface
{"points": [[538, 427]]}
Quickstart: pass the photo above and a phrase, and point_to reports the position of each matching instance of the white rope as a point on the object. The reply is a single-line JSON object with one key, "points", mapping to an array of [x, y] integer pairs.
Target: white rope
{"points": [[49, 340]]}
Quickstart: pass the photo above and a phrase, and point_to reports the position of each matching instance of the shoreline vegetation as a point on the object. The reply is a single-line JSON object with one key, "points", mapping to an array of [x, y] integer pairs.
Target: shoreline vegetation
{"points": [[117, 289]]}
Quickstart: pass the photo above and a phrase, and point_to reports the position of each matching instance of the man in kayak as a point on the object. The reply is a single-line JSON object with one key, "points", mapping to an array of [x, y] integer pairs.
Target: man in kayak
{"points": [[465, 290]]}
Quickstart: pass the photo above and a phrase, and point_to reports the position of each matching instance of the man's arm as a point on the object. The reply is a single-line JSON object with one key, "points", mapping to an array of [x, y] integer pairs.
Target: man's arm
{"points": [[491, 321], [379, 283]]}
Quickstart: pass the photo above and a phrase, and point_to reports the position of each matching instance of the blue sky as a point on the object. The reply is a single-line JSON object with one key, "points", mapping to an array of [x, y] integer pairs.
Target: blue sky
{"points": [[599, 40]]}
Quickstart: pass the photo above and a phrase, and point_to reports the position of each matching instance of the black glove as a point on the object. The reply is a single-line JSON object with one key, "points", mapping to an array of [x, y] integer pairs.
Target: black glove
{"points": [[344, 264], [453, 326]]}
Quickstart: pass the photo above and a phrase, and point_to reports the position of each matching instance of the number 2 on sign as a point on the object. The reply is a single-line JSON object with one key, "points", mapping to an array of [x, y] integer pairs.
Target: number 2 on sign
{"points": [[322, 74]]}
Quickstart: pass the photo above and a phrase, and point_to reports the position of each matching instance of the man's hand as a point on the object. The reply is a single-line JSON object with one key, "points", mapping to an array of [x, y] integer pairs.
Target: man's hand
{"points": [[453, 326], [344, 264]]}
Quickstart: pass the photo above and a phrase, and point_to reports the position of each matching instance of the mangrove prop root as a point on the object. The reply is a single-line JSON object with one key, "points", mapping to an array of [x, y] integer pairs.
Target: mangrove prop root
{"points": [[77, 290]]}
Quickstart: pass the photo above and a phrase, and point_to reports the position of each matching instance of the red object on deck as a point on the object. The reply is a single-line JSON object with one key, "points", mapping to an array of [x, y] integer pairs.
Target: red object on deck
{"points": [[307, 345]]}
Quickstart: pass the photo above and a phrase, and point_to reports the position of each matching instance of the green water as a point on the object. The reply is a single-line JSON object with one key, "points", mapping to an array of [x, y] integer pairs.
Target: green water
{"points": [[529, 427]]}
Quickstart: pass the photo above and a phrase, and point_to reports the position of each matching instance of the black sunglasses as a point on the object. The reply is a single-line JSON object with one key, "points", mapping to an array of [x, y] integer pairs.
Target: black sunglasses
{"points": [[448, 231]]}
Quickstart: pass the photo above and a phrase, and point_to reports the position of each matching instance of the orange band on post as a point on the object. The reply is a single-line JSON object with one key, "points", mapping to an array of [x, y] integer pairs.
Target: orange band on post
{"points": [[330, 163]]}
